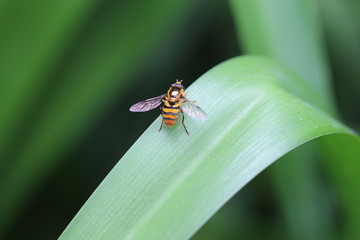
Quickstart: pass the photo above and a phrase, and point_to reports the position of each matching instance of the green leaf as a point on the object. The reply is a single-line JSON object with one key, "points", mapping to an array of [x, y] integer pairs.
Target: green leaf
{"points": [[96, 71], [291, 33], [34, 35], [295, 43], [168, 184], [287, 31]]}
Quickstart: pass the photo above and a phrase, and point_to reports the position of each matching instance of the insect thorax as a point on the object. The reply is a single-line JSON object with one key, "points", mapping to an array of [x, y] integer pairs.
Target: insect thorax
{"points": [[174, 94]]}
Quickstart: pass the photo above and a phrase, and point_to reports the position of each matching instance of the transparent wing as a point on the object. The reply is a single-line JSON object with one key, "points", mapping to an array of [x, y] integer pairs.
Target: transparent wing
{"points": [[193, 110], [147, 104]]}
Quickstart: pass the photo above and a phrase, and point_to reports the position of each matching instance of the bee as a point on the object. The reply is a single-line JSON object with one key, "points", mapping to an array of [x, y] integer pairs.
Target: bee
{"points": [[174, 102]]}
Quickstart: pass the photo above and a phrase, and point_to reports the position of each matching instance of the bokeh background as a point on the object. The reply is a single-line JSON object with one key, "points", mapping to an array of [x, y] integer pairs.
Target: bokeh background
{"points": [[69, 70]]}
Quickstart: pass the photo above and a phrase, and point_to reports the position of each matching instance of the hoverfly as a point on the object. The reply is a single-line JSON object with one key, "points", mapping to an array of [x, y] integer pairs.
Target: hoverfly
{"points": [[174, 102]]}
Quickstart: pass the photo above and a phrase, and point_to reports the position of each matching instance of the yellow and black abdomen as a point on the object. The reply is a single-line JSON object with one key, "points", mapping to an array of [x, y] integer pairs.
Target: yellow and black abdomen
{"points": [[170, 113]]}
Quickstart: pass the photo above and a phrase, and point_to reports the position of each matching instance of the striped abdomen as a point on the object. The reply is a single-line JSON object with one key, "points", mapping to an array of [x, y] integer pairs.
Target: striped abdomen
{"points": [[170, 114]]}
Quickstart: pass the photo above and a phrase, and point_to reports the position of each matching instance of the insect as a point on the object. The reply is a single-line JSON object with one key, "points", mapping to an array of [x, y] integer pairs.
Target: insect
{"points": [[174, 102]]}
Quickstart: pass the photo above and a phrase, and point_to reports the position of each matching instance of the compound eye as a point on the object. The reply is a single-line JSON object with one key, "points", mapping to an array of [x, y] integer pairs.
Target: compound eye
{"points": [[177, 85]]}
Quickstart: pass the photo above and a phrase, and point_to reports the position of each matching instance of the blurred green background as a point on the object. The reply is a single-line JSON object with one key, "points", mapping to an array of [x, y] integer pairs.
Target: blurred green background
{"points": [[69, 72]]}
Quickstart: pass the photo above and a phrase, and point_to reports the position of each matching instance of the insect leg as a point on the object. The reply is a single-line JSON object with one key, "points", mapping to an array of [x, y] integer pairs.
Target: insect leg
{"points": [[187, 100], [162, 121], [184, 101], [161, 125], [183, 122]]}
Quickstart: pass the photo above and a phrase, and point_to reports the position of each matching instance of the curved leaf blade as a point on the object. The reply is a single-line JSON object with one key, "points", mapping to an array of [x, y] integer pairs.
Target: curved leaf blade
{"points": [[168, 184]]}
